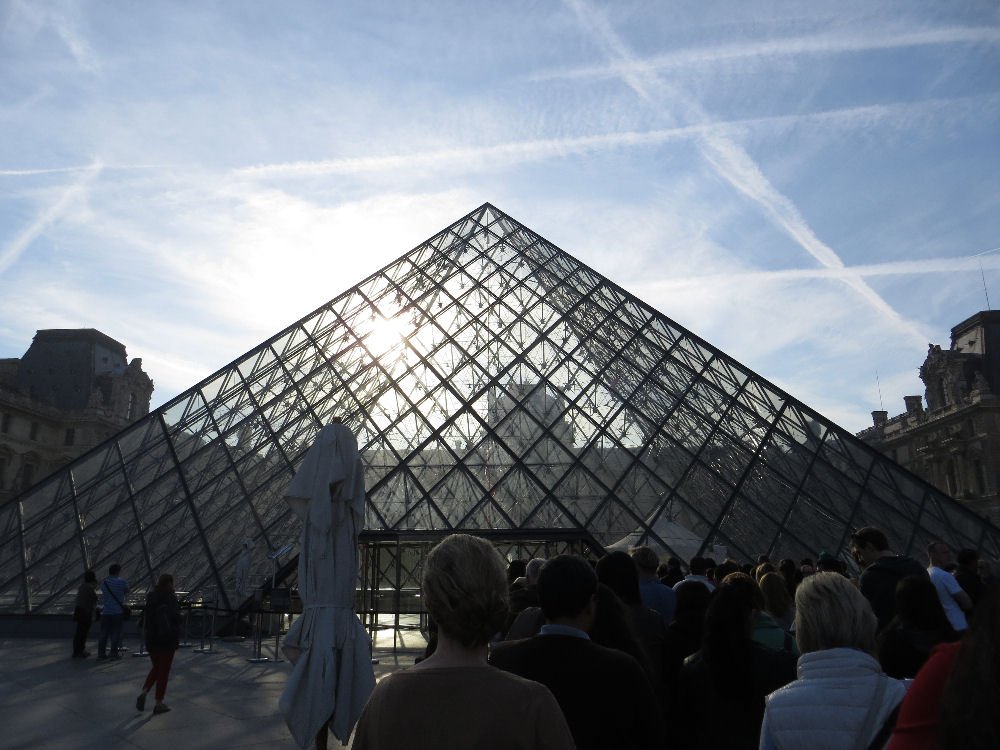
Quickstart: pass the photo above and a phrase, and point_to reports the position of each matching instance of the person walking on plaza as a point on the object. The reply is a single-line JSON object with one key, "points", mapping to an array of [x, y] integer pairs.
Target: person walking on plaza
{"points": [[161, 630], [950, 592], [83, 613], [114, 589]]}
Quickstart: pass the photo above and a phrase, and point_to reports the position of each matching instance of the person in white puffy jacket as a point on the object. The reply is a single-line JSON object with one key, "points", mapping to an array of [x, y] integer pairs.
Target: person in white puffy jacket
{"points": [[841, 700]]}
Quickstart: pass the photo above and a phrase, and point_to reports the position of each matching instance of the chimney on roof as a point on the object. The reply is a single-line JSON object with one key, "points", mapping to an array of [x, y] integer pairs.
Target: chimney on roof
{"points": [[879, 418], [914, 405]]}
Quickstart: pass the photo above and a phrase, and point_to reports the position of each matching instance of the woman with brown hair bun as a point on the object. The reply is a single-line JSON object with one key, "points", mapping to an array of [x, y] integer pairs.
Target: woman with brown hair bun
{"points": [[161, 630], [454, 698]]}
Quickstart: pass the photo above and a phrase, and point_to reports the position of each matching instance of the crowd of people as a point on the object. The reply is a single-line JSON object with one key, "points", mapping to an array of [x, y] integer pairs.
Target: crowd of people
{"points": [[632, 652]]}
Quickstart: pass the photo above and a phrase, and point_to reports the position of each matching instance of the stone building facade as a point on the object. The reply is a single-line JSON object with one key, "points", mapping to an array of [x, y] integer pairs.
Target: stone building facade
{"points": [[951, 436], [71, 390]]}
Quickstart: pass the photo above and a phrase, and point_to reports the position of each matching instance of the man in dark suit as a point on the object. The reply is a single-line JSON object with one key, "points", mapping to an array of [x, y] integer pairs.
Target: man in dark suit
{"points": [[604, 694]]}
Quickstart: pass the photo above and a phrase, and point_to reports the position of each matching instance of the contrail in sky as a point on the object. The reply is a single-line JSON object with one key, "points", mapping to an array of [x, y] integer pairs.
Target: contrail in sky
{"points": [[731, 161], [10, 254]]}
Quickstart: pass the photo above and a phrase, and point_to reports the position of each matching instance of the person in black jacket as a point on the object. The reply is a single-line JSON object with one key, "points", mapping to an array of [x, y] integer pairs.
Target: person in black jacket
{"points": [[920, 624], [83, 613], [161, 629], [604, 693], [719, 701], [883, 569]]}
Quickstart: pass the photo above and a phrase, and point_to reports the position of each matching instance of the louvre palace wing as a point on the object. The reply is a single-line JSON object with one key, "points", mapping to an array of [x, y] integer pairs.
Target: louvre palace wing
{"points": [[494, 382]]}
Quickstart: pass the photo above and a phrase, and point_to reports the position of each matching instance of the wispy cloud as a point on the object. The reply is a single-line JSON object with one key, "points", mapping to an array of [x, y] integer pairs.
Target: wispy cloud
{"points": [[85, 169], [471, 158], [77, 44], [23, 239], [730, 160], [633, 68], [969, 263]]}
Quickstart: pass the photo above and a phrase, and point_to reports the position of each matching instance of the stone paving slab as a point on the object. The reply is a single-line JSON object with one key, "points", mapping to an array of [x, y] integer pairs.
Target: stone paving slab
{"points": [[219, 700]]}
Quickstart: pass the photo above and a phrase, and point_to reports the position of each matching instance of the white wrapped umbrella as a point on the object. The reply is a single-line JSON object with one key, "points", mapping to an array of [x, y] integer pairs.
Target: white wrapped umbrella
{"points": [[332, 674]]}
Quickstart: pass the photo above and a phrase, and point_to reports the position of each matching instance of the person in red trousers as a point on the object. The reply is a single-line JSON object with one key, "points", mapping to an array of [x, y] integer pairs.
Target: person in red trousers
{"points": [[161, 629]]}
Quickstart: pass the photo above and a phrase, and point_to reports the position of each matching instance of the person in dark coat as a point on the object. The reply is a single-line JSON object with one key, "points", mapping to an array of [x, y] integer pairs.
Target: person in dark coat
{"points": [[883, 569], [919, 625], [684, 634], [604, 694], [721, 689], [83, 613], [618, 571], [161, 629]]}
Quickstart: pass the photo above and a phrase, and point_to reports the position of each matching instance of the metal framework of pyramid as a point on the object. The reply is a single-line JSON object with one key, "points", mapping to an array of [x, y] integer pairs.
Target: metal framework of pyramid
{"points": [[493, 382]]}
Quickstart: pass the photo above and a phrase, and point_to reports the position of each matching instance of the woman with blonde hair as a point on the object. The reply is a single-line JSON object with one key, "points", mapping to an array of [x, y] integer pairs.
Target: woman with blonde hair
{"points": [[161, 619], [841, 698], [454, 698]]}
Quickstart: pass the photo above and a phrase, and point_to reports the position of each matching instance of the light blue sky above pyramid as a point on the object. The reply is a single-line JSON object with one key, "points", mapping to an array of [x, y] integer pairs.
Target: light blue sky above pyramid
{"points": [[807, 186]]}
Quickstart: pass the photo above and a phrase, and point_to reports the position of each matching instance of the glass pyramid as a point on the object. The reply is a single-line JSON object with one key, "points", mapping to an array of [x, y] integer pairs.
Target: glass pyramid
{"points": [[494, 382]]}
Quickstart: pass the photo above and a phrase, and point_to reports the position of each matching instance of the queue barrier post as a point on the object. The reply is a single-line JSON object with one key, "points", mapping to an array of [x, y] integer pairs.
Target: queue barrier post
{"points": [[258, 657], [203, 649]]}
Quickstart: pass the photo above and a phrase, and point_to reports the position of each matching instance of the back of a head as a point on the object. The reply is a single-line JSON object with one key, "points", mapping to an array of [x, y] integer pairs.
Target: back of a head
{"points": [[762, 570], [533, 568], [114, 569], [830, 612], [774, 590], [165, 582], [726, 567], [967, 557], [465, 589], [645, 559], [515, 569], [747, 585], [90, 576], [618, 571], [828, 562], [870, 535], [692, 598], [566, 585], [697, 566]]}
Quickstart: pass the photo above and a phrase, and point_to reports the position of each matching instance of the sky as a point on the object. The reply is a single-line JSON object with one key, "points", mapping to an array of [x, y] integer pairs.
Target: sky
{"points": [[809, 186]]}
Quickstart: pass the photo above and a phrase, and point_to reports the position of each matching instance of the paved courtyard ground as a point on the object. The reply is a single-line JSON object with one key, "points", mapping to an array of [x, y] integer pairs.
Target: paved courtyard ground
{"points": [[219, 699]]}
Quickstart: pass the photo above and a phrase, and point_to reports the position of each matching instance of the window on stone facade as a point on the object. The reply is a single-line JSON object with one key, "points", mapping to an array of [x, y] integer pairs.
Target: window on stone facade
{"points": [[5, 422], [70, 436], [34, 431], [3, 472], [27, 475], [950, 479]]}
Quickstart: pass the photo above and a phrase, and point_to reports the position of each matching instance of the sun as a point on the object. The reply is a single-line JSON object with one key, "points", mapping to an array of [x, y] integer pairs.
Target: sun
{"points": [[386, 334]]}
